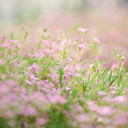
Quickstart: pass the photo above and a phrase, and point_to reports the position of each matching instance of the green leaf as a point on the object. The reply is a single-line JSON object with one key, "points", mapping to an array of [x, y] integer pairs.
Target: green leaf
{"points": [[45, 29], [104, 71], [60, 74], [110, 76], [93, 78], [111, 82]]}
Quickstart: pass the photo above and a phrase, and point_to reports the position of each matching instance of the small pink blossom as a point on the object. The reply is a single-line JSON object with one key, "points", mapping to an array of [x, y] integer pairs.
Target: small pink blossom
{"points": [[57, 99], [98, 70], [5, 44], [121, 120], [29, 111], [115, 66], [82, 29], [83, 117], [35, 67], [82, 46], [13, 41], [106, 111], [98, 57], [41, 121], [69, 59], [102, 93], [120, 99], [95, 40]]}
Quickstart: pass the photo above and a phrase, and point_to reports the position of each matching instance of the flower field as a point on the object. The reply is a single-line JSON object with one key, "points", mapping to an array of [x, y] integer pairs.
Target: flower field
{"points": [[53, 79]]}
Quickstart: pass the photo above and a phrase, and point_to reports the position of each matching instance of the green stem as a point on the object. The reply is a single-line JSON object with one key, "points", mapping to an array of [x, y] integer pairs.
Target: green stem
{"points": [[77, 55], [39, 43]]}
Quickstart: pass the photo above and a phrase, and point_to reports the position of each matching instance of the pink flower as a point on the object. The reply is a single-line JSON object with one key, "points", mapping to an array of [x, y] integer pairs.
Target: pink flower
{"points": [[98, 70], [101, 93], [120, 99], [41, 121], [69, 59], [13, 41], [35, 67], [3, 89], [106, 111], [98, 57], [57, 99], [121, 120], [4, 38], [19, 45], [114, 66], [95, 40], [82, 46], [5, 44], [82, 29], [83, 117], [29, 111]]}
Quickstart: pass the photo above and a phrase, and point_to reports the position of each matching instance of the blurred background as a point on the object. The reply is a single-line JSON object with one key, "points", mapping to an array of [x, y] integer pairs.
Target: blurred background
{"points": [[106, 20], [19, 10]]}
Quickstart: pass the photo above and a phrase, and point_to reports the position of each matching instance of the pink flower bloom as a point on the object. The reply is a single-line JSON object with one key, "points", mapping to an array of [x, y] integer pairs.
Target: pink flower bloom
{"points": [[83, 117], [29, 111], [2, 61], [19, 45], [106, 111], [13, 41], [95, 40], [57, 99], [41, 121], [4, 38], [9, 114], [98, 57], [120, 99], [121, 120], [98, 70], [45, 51], [101, 93], [3, 89], [82, 46], [5, 44], [63, 42], [82, 29], [107, 83], [114, 66], [69, 59], [35, 67]]}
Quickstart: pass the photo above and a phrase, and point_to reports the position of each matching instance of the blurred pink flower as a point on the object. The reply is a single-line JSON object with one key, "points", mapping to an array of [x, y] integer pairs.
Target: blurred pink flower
{"points": [[106, 111], [28, 111], [82, 46], [69, 59], [98, 57], [115, 66], [120, 99], [5, 44], [13, 41], [121, 120], [95, 40], [82, 29], [102, 93], [3, 89], [35, 67], [57, 99], [40, 121], [82, 117]]}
